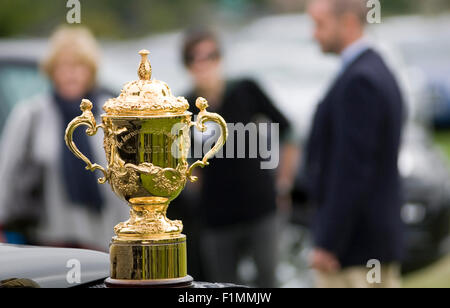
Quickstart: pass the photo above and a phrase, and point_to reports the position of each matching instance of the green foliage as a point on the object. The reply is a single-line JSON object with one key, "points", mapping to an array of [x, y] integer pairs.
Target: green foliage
{"points": [[397, 6], [135, 18], [24, 17], [108, 18]]}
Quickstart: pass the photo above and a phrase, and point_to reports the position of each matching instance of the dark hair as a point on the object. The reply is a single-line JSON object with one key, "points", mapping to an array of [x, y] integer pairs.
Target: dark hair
{"points": [[357, 7], [192, 39]]}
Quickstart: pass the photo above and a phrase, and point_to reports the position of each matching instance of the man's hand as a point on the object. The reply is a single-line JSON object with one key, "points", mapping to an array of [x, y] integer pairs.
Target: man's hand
{"points": [[286, 173], [284, 202], [324, 261]]}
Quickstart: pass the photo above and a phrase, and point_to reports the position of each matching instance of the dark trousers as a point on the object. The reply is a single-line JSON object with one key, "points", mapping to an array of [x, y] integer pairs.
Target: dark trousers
{"points": [[222, 249]]}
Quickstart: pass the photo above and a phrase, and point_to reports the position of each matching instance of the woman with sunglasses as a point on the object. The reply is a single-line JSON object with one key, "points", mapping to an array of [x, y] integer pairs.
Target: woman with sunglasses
{"points": [[238, 200]]}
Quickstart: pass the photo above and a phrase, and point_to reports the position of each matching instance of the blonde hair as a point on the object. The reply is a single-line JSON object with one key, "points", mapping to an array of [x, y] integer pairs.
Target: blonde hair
{"points": [[79, 41]]}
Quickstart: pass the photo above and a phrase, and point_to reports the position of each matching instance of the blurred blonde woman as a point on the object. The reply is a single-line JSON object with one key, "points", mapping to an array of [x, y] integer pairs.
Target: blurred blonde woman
{"points": [[46, 193]]}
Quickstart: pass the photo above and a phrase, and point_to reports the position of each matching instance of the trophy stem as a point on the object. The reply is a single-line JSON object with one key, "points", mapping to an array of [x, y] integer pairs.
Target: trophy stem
{"points": [[148, 220]]}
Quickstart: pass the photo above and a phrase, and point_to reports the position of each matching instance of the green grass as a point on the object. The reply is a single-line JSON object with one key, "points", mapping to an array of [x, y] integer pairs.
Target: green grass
{"points": [[435, 276], [442, 139]]}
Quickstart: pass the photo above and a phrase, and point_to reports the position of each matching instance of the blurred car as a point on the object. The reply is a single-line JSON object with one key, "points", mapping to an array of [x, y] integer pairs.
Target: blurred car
{"points": [[45, 267], [19, 79], [439, 88], [426, 211]]}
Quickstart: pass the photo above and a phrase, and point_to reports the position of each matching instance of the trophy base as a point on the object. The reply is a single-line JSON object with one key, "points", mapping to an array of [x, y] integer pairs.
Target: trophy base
{"points": [[185, 282], [160, 262]]}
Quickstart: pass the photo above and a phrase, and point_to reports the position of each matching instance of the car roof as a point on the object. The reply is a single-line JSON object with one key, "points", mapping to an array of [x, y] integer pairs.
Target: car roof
{"points": [[53, 267]]}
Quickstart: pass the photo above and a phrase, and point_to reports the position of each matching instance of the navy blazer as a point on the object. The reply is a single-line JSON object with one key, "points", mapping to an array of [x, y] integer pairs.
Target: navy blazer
{"points": [[352, 168]]}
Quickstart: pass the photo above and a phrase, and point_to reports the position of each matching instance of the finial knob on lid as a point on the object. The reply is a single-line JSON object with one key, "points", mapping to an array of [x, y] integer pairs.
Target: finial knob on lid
{"points": [[145, 69], [146, 96]]}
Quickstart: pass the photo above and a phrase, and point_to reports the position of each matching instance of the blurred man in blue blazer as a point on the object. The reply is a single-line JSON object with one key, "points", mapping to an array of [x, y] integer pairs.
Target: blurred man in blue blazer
{"points": [[352, 157]]}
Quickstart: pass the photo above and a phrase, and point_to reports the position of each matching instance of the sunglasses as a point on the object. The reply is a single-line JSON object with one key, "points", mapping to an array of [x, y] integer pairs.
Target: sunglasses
{"points": [[212, 56]]}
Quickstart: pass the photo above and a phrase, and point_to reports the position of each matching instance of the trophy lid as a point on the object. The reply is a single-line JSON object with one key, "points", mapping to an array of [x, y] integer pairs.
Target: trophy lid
{"points": [[146, 96]]}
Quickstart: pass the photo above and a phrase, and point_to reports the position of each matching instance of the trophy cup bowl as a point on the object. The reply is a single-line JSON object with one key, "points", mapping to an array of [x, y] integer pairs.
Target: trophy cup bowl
{"points": [[146, 142]]}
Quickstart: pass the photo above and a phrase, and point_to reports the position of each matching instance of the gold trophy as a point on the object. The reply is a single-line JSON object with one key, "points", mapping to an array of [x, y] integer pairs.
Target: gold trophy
{"points": [[146, 141]]}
